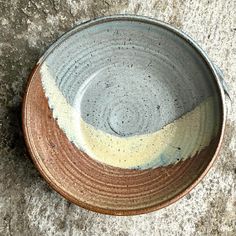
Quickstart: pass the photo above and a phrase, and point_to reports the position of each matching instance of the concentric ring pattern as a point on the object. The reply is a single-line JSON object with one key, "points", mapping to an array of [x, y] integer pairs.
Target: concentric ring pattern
{"points": [[122, 115], [121, 91]]}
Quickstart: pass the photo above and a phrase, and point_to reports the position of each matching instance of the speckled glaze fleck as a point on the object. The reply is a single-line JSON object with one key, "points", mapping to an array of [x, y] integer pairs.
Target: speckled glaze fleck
{"points": [[123, 79]]}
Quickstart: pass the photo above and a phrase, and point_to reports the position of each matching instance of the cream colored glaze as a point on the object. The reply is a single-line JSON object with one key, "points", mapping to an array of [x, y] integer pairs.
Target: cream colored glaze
{"points": [[176, 141]]}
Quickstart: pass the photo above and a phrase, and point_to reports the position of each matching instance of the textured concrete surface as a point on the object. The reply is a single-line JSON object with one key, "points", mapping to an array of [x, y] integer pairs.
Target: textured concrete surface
{"points": [[27, 205]]}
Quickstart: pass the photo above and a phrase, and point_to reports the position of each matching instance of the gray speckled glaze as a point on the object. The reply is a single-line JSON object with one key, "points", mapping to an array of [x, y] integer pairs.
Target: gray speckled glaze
{"points": [[136, 77], [132, 92]]}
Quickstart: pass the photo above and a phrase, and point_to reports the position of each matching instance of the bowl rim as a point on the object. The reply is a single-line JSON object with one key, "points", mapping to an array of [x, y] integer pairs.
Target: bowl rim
{"points": [[147, 20]]}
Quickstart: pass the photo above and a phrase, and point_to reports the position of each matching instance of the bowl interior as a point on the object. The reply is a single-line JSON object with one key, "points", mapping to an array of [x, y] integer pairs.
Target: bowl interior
{"points": [[135, 115]]}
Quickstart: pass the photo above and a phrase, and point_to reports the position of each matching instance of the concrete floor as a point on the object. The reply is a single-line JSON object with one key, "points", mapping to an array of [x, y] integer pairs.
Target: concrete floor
{"points": [[27, 205]]}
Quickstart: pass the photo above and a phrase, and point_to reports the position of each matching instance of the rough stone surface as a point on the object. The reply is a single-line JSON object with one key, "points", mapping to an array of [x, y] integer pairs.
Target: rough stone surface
{"points": [[27, 205]]}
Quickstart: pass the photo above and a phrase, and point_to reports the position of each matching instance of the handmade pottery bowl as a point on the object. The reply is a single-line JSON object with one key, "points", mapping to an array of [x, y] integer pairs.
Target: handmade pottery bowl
{"points": [[124, 115]]}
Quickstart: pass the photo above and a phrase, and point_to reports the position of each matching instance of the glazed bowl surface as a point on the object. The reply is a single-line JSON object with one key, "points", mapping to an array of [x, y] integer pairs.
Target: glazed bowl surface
{"points": [[123, 115]]}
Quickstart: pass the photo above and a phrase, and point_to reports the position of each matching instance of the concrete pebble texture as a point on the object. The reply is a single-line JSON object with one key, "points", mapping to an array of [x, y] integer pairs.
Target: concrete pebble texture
{"points": [[27, 205]]}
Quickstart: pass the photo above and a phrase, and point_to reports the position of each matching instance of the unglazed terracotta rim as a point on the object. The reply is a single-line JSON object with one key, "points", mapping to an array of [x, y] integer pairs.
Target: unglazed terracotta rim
{"points": [[147, 20]]}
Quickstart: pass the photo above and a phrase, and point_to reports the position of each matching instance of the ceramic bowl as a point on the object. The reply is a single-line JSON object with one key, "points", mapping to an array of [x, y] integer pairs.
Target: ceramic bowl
{"points": [[124, 115]]}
